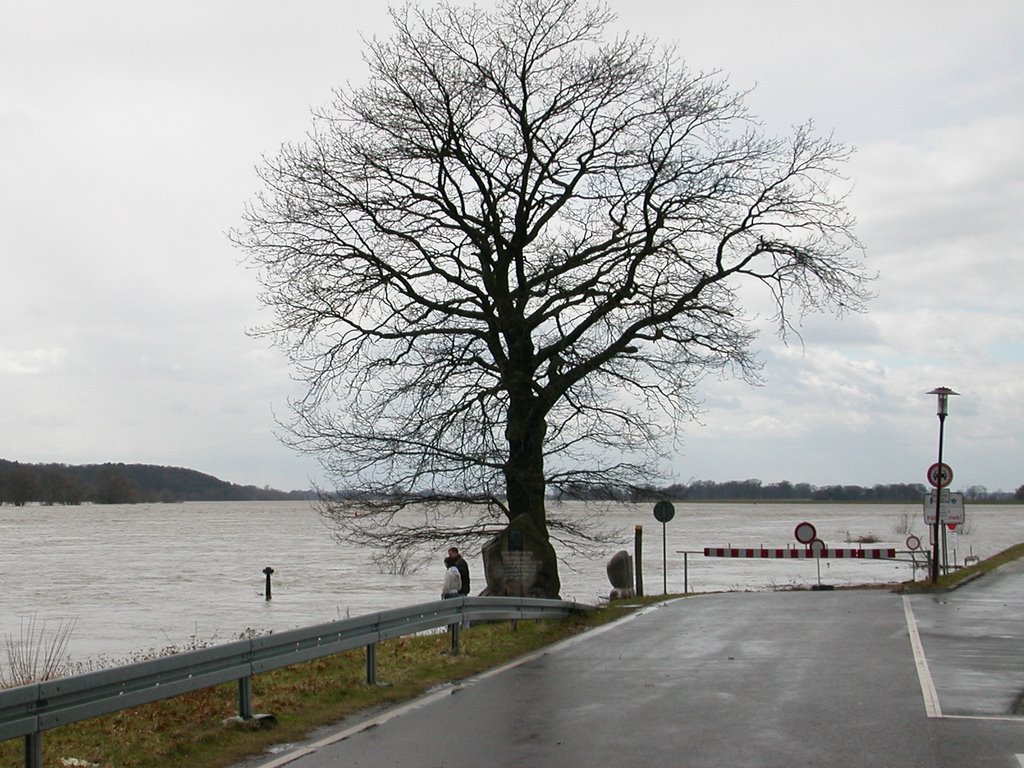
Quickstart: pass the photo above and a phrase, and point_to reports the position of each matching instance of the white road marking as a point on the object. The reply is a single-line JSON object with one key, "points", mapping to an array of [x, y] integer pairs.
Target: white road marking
{"points": [[931, 696], [309, 749]]}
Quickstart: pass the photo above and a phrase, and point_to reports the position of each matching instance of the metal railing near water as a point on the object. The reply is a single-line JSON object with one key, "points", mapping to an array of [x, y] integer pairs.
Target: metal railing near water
{"points": [[29, 710]]}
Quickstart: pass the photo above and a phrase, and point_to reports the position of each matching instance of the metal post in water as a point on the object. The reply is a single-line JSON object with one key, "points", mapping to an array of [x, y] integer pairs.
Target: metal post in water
{"points": [[267, 595]]}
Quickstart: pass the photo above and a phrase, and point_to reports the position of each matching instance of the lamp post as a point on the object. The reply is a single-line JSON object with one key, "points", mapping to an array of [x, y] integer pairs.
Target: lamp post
{"points": [[942, 393]]}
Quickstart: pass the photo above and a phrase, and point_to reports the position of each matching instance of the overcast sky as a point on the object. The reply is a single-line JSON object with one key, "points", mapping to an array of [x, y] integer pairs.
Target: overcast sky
{"points": [[129, 133]]}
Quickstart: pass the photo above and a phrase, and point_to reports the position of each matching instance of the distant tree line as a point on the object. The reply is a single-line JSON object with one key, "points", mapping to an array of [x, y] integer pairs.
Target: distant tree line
{"points": [[50, 484], [146, 483], [755, 490]]}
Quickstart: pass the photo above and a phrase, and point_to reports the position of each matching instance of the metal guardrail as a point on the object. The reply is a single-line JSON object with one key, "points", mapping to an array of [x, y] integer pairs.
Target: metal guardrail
{"points": [[31, 709]]}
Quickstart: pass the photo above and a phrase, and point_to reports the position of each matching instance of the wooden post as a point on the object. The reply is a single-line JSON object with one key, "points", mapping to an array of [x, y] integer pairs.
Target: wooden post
{"points": [[638, 559]]}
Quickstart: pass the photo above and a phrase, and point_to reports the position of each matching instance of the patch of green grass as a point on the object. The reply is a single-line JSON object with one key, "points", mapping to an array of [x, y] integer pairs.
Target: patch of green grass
{"points": [[189, 730], [957, 577]]}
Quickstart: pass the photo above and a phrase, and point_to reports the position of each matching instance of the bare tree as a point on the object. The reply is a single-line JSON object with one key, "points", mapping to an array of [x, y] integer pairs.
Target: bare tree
{"points": [[503, 263]]}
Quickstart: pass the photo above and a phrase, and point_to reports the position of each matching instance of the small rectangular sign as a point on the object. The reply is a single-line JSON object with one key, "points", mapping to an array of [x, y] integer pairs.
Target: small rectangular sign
{"points": [[951, 508]]}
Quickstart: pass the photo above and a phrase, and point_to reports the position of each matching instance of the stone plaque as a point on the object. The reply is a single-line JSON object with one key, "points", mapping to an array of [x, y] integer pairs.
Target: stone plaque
{"points": [[520, 562]]}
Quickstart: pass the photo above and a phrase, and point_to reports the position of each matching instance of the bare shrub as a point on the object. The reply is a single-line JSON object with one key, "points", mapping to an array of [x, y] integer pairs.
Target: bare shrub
{"points": [[36, 654]]}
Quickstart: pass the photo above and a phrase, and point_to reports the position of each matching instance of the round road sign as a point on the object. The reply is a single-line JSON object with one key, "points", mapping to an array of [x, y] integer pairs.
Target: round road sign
{"points": [[805, 533], [664, 511], [913, 542], [940, 475]]}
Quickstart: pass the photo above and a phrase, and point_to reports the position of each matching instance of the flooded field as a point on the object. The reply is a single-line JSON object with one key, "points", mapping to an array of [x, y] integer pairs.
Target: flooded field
{"points": [[136, 577]]}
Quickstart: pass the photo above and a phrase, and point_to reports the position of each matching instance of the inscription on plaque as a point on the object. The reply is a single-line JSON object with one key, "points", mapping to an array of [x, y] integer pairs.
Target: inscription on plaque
{"points": [[520, 562], [520, 570]]}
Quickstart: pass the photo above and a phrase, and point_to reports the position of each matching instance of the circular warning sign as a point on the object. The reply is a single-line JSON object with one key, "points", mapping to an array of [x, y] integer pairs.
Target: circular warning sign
{"points": [[805, 533], [913, 542], [940, 475]]}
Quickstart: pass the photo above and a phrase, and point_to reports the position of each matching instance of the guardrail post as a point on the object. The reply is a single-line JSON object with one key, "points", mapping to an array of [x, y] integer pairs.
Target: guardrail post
{"points": [[245, 698], [34, 750], [455, 630], [371, 664]]}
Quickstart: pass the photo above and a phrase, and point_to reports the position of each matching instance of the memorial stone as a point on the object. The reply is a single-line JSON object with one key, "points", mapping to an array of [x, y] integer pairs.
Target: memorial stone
{"points": [[620, 574], [520, 562]]}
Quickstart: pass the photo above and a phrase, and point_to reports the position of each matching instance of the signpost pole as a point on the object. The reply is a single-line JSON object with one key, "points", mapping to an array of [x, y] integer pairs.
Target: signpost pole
{"points": [[664, 559], [938, 506], [663, 512], [943, 394], [638, 559]]}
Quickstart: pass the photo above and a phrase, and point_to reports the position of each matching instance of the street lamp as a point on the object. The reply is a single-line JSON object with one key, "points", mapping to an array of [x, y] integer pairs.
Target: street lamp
{"points": [[943, 394]]}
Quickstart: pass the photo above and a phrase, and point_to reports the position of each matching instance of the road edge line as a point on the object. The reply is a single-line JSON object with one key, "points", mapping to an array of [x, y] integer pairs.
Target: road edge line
{"points": [[931, 697], [304, 750]]}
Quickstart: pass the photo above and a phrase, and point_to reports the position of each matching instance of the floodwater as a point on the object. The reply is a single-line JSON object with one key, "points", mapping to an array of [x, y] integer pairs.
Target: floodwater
{"points": [[135, 578]]}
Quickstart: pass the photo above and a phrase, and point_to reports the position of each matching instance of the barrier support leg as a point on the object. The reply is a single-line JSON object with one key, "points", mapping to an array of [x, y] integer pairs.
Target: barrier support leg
{"points": [[246, 717], [34, 750], [245, 698], [455, 630], [371, 664]]}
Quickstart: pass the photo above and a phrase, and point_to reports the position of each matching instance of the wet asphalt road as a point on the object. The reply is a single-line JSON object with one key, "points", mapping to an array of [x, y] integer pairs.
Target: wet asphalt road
{"points": [[844, 678], [974, 641]]}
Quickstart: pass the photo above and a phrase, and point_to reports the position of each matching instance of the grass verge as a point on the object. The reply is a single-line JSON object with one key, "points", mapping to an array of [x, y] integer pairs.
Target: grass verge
{"points": [[961, 575], [190, 730]]}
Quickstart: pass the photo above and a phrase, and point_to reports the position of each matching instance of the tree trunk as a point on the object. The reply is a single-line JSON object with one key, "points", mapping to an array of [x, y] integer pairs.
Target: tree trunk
{"points": [[533, 560], [524, 469]]}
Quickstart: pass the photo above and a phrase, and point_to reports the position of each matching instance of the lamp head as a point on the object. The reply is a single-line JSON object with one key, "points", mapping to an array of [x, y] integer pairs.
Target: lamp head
{"points": [[943, 394]]}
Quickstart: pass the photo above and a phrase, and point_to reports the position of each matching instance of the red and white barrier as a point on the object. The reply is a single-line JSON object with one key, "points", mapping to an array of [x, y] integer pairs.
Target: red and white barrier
{"points": [[785, 553]]}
